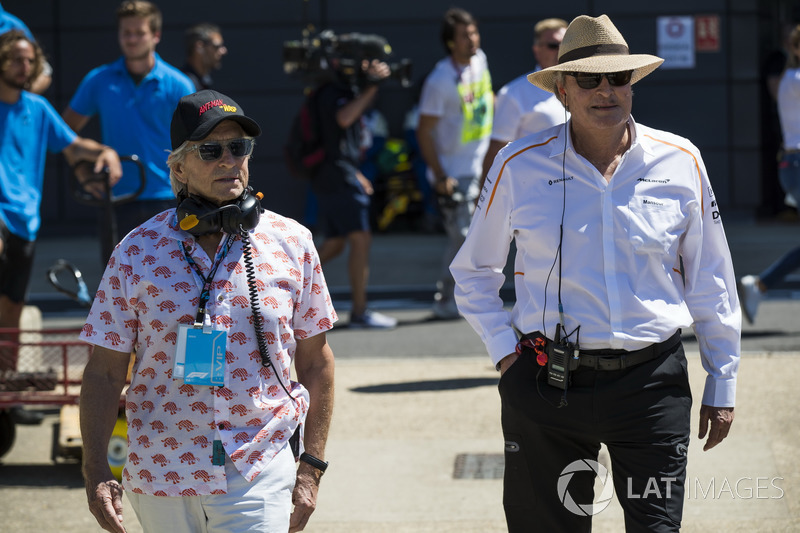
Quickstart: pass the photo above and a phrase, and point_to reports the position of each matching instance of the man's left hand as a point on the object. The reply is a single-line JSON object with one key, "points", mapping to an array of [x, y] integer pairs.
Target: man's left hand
{"points": [[304, 498], [720, 419]]}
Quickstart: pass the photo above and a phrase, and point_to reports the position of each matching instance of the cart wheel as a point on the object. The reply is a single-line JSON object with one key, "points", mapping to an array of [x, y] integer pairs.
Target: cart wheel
{"points": [[7, 432], [118, 448]]}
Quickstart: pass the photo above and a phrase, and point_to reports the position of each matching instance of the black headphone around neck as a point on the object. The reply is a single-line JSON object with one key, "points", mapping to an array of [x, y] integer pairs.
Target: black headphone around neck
{"points": [[201, 217]]}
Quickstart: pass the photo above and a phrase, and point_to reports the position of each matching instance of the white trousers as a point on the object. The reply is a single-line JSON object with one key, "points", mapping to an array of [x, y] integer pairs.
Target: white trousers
{"points": [[261, 506]]}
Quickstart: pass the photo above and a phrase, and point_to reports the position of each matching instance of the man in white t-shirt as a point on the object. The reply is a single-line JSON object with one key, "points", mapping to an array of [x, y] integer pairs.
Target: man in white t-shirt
{"points": [[455, 124], [521, 108]]}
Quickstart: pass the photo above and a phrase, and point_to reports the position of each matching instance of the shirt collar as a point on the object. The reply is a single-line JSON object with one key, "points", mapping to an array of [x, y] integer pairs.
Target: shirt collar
{"points": [[638, 141], [175, 231], [562, 140], [206, 80], [157, 72]]}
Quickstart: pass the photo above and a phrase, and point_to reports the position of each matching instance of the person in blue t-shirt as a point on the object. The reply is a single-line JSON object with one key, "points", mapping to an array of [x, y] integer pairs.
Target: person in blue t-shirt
{"points": [[134, 98], [29, 128], [9, 22]]}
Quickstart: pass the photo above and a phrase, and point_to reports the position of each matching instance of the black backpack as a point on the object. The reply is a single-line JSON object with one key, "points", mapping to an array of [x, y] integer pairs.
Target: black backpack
{"points": [[304, 151]]}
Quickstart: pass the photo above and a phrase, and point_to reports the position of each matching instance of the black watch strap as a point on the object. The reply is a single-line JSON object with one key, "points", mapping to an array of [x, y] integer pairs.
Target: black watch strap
{"points": [[316, 462]]}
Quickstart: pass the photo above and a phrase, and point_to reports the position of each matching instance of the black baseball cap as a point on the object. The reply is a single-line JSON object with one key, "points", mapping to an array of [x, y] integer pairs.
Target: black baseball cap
{"points": [[199, 113]]}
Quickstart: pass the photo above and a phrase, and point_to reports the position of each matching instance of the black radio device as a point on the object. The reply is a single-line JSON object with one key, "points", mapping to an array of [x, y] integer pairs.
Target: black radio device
{"points": [[562, 358], [200, 217]]}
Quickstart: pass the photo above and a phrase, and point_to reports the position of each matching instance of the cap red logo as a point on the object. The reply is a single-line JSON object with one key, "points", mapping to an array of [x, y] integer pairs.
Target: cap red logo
{"points": [[217, 103]]}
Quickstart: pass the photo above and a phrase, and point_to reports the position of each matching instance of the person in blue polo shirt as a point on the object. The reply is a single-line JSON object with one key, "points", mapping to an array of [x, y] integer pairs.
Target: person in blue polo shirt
{"points": [[29, 128], [134, 98]]}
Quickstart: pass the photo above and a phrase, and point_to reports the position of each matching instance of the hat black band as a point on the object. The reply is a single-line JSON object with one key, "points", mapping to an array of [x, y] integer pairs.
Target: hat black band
{"points": [[594, 50]]}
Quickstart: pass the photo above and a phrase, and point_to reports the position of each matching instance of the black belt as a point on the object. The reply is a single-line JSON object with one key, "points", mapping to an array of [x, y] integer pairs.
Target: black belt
{"points": [[619, 359], [600, 359]]}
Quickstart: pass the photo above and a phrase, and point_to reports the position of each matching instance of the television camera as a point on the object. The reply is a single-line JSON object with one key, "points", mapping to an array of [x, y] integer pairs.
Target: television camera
{"points": [[327, 56]]}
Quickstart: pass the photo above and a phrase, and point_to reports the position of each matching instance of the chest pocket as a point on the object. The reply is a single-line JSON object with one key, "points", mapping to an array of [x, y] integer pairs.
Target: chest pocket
{"points": [[654, 224]]}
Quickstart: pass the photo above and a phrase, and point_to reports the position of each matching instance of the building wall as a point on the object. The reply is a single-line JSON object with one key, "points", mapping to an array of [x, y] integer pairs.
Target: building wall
{"points": [[715, 104]]}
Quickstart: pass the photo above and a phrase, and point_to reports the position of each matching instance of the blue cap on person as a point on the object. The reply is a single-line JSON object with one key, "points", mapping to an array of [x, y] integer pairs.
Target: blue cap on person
{"points": [[199, 113]]}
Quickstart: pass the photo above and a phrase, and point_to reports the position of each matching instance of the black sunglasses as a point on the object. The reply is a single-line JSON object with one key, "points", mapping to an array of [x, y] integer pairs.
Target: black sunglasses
{"points": [[211, 151], [552, 46], [588, 80]]}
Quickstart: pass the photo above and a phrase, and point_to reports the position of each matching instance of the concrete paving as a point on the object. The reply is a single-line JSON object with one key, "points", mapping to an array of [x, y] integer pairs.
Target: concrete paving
{"points": [[410, 401], [404, 414], [393, 453]]}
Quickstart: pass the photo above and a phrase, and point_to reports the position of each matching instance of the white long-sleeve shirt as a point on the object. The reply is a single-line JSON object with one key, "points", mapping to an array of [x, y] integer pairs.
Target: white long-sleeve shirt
{"points": [[623, 242], [522, 109]]}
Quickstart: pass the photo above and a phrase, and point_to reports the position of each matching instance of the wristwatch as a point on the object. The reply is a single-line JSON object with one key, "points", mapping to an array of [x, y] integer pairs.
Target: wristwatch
{"points": [[316, 462]]}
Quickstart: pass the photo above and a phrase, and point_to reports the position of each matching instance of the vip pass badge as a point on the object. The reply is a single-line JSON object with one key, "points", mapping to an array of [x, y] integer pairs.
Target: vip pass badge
{"points": [[200, 349], [200, 355]]}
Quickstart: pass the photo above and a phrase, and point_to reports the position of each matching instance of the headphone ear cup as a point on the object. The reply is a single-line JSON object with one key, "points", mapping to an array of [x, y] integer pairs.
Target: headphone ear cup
{"points": [[211, 218], [250, 208], [244, 215]]}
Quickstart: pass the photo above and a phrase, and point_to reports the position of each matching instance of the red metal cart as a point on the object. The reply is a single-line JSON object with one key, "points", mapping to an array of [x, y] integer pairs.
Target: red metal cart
{"points": [[42, 368], [45, 368]]}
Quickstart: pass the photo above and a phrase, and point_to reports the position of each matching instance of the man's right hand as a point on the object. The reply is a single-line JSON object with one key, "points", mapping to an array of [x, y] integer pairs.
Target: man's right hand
{"points": [[507, 361], [105, 503], [376, 70], [365, 183], [445, 186]]}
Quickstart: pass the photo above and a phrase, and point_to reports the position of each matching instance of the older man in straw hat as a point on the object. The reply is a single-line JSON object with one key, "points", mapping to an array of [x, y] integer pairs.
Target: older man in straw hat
{"points": [[619, 247]]}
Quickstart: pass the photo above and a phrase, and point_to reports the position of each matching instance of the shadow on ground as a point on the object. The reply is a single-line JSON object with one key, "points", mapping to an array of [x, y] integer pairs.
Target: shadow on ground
{"points": [[428, 386]]}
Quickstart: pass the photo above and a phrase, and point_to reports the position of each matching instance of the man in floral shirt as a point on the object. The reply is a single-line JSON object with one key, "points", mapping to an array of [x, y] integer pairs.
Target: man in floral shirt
{"points": [[215, 314]]}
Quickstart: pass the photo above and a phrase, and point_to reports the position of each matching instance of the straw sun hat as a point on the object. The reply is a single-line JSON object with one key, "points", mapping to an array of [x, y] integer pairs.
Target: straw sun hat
{"points": [[594, 45]]}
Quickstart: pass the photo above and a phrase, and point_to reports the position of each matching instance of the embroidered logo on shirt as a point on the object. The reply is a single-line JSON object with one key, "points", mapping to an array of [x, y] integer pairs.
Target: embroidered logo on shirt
{"points": [[559, 180], [652, 202]]}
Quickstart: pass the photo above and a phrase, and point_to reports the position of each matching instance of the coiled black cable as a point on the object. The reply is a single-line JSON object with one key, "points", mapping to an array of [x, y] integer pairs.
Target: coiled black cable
{"points": [[258, 323]]}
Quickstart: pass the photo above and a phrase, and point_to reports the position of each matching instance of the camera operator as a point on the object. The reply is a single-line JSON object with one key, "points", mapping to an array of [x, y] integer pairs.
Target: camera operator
{"points": [[342, 191]]}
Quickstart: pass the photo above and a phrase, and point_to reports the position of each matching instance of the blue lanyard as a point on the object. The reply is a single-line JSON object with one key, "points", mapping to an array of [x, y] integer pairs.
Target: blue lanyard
{"points": [[205, 293]]}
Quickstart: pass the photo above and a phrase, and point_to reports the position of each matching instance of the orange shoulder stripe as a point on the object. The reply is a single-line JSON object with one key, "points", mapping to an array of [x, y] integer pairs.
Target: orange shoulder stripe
{"points": [[500, 174], [696, 164]]}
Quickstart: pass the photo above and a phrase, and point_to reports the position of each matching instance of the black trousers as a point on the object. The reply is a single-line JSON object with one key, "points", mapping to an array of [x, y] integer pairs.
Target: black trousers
{"points": [[642, 416]]}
